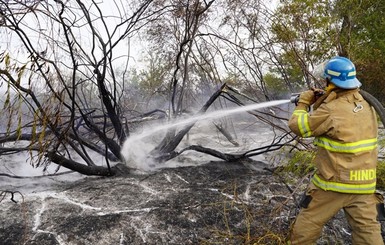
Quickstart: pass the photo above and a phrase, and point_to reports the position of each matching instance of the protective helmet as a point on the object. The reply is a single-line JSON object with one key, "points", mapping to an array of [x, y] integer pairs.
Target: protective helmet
{"points": [[342, 73]]}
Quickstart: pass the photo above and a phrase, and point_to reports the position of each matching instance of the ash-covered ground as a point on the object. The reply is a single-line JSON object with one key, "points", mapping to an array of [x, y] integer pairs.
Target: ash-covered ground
{"points": [[215, 203], [193, 199]]}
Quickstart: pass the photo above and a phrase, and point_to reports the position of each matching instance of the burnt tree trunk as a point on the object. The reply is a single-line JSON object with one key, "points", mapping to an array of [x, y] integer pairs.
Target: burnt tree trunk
{"points": [[165, 150]]}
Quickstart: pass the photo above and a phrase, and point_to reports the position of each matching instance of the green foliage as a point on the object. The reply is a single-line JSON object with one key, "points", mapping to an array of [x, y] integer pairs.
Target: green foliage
{"points": [[277, 85], [301, 163], [152, 79], [381, 175], [311, 31], [304, 29], [362, 39]]}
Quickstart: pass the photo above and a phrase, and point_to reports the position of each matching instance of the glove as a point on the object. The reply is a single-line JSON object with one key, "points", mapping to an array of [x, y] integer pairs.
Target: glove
{"points": [[307, 97], [318, 92]]}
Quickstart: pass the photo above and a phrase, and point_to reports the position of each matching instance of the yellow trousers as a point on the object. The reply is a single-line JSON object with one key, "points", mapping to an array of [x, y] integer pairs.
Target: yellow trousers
{"points": [[360, 211]]}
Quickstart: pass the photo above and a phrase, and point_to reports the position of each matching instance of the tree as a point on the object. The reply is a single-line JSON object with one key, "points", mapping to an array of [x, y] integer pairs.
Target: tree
{"points": [[361, 39], [304, 31], [60, 64], [310, 32]]}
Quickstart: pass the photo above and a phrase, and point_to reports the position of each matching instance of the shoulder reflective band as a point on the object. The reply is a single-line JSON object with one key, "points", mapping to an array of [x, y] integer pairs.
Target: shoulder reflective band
{"points": [[303, 123], [352, 147], [344, 188]]}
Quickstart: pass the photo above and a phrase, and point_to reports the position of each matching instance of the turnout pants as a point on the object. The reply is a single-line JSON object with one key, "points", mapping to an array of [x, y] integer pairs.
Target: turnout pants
{"points": [[360, 211]]}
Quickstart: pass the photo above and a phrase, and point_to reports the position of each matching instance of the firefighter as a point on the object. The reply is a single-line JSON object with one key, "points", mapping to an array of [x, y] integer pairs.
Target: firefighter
{"points": [[344, 127]]}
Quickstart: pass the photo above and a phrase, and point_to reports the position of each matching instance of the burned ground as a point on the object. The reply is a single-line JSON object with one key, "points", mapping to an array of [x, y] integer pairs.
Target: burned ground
{"points": [[215, 203]]}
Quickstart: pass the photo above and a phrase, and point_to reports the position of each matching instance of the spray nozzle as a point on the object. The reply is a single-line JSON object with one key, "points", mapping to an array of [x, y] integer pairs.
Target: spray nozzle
{"points": [[294, 98]]}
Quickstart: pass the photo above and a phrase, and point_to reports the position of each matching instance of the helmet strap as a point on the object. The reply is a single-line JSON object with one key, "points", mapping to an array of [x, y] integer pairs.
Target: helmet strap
{"points": [[329, 85], [329, 88]]}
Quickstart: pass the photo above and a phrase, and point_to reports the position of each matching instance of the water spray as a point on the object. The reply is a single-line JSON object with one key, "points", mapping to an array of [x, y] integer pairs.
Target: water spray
{"points": [[135, 150]]}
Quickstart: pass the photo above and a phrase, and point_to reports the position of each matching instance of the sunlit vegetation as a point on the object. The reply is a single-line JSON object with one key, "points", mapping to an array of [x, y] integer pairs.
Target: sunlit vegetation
{"points": [[300, 164]]}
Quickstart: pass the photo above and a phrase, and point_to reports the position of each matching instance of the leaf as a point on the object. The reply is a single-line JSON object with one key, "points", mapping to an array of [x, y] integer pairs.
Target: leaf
{"points": [[20, 74], [7, 60]]}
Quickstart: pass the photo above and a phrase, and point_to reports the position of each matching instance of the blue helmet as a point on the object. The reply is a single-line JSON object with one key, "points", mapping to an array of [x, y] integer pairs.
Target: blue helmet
{"points": [[342, 72]]}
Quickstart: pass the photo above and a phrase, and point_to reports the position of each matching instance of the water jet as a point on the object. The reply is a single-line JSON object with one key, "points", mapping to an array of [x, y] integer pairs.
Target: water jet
{"points": [[136, 150]]}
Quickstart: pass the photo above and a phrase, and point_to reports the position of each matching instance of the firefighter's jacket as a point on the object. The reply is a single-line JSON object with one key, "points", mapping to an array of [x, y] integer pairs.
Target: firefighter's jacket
{"points": [[345, 130]]}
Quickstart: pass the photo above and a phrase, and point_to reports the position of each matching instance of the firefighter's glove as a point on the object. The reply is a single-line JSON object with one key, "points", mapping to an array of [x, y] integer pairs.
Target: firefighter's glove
{"points": [[307, 97]]}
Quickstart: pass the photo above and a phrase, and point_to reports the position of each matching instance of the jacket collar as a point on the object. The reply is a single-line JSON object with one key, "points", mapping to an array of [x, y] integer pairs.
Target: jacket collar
{"points": [[336, 93]]}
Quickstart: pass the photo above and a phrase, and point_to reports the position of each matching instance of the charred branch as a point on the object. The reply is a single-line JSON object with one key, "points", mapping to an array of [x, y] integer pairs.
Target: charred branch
{"points": [[246, 156], [151, 115], [30, 137], [226, 134], [224, 156], [272, 147], [111, 109], [79, 167], [14, 137], [3, 194], [169, 145], [96, 148], [267, 117], [110, 143]]}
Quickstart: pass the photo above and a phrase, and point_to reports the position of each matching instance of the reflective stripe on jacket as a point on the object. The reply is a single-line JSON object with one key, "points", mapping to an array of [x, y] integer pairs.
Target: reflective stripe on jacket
{"points": [[345, 131]]}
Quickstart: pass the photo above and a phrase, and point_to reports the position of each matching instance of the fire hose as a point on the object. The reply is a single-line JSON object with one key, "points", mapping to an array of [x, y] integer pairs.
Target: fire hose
{"points": [[368, 97], [376, 105]]}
